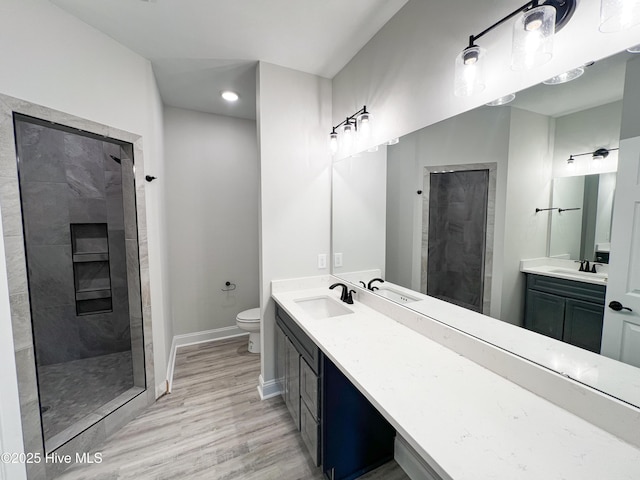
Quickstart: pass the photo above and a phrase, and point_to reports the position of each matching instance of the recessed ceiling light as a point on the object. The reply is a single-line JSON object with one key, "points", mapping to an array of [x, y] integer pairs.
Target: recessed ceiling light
{"points": [[230, 96], [502, 100], [565, 77]]}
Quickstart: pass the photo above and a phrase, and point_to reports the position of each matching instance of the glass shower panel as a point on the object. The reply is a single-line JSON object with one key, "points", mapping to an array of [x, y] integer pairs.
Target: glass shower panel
{"points": [[78, 202], [457, 234]]}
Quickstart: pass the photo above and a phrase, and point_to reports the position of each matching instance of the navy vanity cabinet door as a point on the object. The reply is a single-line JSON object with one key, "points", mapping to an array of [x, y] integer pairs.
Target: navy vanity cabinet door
{"points": [[544, 313], [583, 324], [281, 361], [356, 438], [292, 382]]}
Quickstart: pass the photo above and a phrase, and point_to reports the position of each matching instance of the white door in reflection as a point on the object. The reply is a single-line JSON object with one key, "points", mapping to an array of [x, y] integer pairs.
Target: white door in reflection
{"points": [[621, 329]]}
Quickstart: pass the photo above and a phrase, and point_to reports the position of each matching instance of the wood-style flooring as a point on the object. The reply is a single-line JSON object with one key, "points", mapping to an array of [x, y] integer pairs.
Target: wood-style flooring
{"points": [[212, 426]]}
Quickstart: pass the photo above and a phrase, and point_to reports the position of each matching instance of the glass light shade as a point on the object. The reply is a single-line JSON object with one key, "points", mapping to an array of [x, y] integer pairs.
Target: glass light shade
{"points": [[571, 164], [348, 131], [565, 77], [634, 49], [393, 141], [618, 15], [533, 35], [469, 76], [502, 100], [364, 123], [333, 142]]}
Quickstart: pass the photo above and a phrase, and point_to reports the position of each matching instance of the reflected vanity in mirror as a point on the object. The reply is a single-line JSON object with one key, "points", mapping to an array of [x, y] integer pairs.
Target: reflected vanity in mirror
{"points": [[385, 208]]}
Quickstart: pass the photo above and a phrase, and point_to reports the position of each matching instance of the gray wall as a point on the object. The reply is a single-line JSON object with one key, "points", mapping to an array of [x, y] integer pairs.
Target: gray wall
{"points": [[212, 188], [67, 178]]}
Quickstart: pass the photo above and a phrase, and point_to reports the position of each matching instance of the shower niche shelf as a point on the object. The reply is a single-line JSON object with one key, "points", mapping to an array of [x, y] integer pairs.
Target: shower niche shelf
{"points": [[91, 273]]}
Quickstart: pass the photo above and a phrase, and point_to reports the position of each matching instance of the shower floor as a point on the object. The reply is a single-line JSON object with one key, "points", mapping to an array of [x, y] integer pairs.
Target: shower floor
{"points": [[71, 391]]}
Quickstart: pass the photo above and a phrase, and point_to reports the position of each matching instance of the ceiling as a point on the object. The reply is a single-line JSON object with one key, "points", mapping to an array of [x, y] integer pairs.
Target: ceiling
{"points": [[200, 47], [601, 83]]}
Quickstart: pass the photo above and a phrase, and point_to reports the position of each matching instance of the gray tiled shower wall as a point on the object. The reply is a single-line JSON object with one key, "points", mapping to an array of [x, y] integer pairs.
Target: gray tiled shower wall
{"points": [[67, 178]]}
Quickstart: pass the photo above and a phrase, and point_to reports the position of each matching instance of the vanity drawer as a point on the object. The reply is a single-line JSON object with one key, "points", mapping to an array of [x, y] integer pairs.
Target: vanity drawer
{"points": [[309, 351], [310, 431], [567, 288], [309, 382]]}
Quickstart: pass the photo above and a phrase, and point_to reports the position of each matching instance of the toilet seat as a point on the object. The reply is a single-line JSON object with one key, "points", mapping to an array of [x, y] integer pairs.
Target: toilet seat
{"points": [[249, 316]]}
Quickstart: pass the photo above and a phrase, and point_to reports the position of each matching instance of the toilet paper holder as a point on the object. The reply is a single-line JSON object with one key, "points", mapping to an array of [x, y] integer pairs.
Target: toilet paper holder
{"points": [[228, 286]]}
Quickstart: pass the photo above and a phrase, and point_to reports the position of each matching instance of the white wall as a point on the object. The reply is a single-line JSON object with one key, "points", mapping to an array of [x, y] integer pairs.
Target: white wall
{"points": [[294, 118], [528, 188], [212, 207], [586, 131], [359, 211], [478, 136], [10, 424], [405, 73], [52, 59]]}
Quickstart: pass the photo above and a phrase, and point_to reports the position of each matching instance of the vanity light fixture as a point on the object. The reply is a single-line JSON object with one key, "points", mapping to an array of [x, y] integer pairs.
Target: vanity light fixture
{"points": [[634, 49], [350, 125], [619, 15], [571, 163], [597, 155], [502, 100], [393, 141], [532, 46], [230, 96]]}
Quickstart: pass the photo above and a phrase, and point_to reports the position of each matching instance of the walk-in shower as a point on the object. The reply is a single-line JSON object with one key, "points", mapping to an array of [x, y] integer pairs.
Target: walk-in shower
{"points": [[77, 193]]}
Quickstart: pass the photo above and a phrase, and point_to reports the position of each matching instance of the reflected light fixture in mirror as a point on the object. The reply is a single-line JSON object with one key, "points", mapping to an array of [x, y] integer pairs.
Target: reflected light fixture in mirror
{"points": [[565, 77], [533, 35], [502, 100], [619, 15], [634, 49]]}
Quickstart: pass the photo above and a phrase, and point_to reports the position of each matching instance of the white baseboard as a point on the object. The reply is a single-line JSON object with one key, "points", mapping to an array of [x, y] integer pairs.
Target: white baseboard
{"points": [[194, 338], [268, 389], [412, 464]]}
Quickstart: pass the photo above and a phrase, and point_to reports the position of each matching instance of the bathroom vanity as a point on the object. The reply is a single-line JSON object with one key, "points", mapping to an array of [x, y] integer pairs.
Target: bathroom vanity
{"points": [[455, 418], [339, 426], [564, 303], [566, 310]]}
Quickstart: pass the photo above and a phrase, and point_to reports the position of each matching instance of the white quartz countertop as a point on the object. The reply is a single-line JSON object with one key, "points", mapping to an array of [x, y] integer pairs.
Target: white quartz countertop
{"points": [[467, 422], [566, 269]]}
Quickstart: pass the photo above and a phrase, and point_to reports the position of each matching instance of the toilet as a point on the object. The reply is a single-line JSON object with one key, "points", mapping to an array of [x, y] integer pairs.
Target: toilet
{"points": [[249, 321]]}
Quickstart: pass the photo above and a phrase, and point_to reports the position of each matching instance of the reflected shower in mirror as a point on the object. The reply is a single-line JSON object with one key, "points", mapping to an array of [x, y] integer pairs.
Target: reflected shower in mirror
{"points": [[581, 220]]}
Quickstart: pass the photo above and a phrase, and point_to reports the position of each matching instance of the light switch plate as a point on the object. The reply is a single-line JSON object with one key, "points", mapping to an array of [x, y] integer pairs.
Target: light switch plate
{"points": [[337, 260]]}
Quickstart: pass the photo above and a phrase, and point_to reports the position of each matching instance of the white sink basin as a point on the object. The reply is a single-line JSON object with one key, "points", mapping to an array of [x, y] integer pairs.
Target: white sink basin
{"points": [[579, 274], [395, 295], [323, 307]]}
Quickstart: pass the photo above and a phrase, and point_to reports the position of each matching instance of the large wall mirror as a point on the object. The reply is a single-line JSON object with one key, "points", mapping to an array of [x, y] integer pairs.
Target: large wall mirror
{"points": [[451, 210]]}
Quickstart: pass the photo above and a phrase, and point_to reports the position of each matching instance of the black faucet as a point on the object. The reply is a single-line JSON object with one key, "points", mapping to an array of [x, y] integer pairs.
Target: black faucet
{"points": [[593, 267], [581, 262], [347, 295], [373, 289]]}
